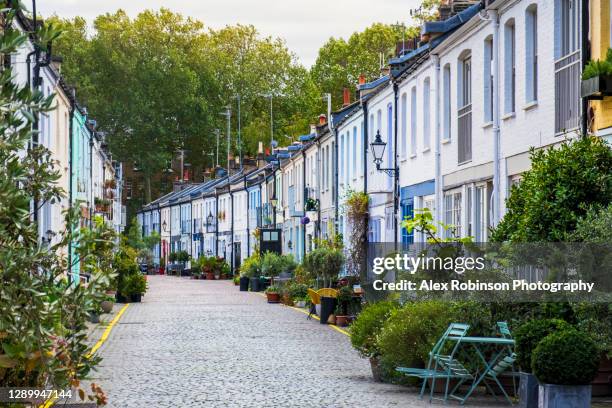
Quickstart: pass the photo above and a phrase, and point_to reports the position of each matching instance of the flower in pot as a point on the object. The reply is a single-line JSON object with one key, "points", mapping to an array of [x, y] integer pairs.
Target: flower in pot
{"points": [[344, 299], [527, 337], [365, 332], [565, 363], [273, 294], [236, 280]]}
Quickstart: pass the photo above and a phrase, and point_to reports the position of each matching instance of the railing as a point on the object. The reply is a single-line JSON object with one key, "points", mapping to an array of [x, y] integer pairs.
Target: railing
{"points": [[567, 92], [464, 134], [265, 217], [310, 192], [212, 226]]}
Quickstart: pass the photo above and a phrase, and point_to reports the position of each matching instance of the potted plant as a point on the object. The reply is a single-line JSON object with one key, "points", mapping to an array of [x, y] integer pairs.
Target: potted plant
{"points": [[236, 280], [597, 78], [273, 294], [565, 363], [107, 304], [135, 285], [94, 315], [344, 299], [250, 269], [365, 332], [298, 293], [527, 338]]}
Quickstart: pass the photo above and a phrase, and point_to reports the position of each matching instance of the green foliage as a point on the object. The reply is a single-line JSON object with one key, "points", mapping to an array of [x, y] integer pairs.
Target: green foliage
{"points": [[43, 315], [566, 357], [134, 284], [594, 227], [530, 334], [297, 291], [251, 267], [563, 183], [357, 215], [272, 289], [158, 81], [365, 330], [411, 332], [273, 264], [595, 319], [595, 68], [324, 262]]}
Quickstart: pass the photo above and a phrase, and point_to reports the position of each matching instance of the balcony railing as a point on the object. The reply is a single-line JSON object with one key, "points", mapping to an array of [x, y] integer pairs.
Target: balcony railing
{"points": [[567, 92], [266, 216], [464, 134], [211, 226]]}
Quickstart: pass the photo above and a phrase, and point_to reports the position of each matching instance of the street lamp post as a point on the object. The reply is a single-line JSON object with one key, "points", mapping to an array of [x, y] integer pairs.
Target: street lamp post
{"points": [[378, 150]]}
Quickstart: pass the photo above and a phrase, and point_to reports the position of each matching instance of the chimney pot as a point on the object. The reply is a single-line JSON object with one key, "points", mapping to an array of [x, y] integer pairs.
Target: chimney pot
{"points": [[347, 97], [362, 79], [322, 119]]}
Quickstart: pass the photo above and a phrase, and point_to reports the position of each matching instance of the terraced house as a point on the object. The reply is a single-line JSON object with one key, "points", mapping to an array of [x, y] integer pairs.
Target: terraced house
{"points": [[89, 177], [453, 116]]}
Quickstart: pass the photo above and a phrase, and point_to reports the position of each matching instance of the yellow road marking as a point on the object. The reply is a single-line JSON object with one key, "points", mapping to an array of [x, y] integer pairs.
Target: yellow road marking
{"points": [[49, 402], [333, 326]]}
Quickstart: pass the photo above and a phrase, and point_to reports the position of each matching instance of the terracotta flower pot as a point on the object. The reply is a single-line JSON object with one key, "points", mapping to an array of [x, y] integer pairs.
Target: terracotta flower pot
{"points": [[376, 369], [342, 321], [210, 276], [273, 297]]}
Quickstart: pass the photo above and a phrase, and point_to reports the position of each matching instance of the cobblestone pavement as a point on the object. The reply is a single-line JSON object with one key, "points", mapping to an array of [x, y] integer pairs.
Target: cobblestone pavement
{"points": [[197, 343]]}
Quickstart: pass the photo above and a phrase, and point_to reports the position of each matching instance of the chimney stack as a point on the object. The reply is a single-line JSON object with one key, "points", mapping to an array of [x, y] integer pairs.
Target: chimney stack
{"points": [[322, 119], [362, 79], [347, 97], [313, 129]]}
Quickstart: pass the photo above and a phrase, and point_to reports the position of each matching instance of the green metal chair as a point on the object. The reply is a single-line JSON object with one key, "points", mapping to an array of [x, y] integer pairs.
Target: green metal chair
{"points": [[504, 365], [442, 366]]}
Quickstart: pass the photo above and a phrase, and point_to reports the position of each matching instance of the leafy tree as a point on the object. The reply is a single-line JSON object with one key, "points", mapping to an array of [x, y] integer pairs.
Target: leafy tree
{"points": [[43, 315], [562, 184]]}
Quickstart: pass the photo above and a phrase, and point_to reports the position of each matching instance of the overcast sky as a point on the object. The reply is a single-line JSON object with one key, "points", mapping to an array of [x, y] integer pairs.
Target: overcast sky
{"points": [[305, 24]]}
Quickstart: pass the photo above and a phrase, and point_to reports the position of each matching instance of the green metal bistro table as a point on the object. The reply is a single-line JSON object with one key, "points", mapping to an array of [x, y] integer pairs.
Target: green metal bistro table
{"points": [[479, 343]]}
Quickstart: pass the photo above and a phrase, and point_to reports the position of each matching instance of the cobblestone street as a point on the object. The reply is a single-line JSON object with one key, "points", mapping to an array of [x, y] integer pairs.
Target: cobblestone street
{"points": [[197, 343]]}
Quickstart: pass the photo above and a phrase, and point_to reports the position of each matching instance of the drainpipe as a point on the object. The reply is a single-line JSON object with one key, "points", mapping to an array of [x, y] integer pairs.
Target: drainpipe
{"points": [[395, 168], [248, 218], [364, 106], [70, 170], [585, 56], [304, 201], [91, 192], [438, 143], [319, 177], [496, 128], [216, 224], [335, 167]]}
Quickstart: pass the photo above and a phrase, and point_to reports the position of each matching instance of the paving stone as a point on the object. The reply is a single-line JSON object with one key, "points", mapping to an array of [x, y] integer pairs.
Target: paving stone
{"points": [[198, 343]]}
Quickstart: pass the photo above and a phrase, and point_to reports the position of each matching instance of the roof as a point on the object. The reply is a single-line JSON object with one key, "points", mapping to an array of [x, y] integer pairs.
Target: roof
{"points": [[451, 23], [373, 84]]}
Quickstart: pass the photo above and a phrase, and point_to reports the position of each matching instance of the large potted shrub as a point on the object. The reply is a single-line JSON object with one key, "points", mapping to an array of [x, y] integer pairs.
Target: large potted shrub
{"points": [[250, 272], [135, 285], [527, 337], [565, 363], [365, 332]]}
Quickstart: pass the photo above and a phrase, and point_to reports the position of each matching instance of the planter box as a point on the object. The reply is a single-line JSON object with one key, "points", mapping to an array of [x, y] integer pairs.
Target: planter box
{"points": [[596, 87], [564, 396], [273, 297], [342, 321], [528, 391], [136, 298]]}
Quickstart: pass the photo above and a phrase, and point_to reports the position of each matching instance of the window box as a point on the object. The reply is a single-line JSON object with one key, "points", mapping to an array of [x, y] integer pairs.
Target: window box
{"points": [[596, 87]]}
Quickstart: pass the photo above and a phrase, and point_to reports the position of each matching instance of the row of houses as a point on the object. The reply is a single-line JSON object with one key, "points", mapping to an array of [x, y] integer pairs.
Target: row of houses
{"points": [[448, 126], [90, 178]]}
